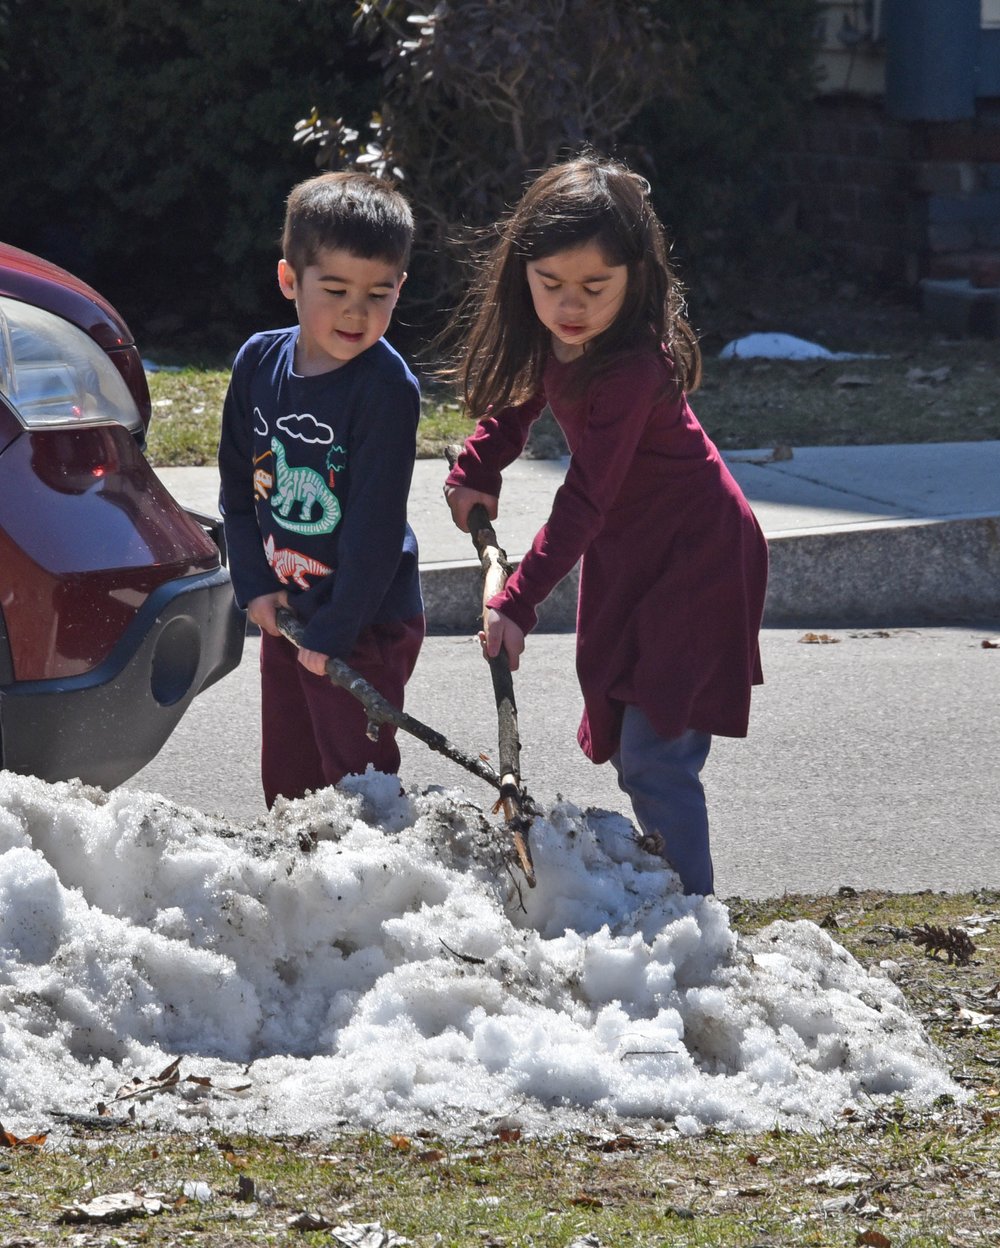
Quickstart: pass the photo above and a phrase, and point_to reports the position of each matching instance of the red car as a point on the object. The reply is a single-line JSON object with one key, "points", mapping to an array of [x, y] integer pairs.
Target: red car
{"points": [[115, 604]]}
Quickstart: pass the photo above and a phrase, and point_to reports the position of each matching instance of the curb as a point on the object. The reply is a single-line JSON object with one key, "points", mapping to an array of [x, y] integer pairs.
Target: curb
{"points": [[942, 570], [897, 573], [453, 598]]}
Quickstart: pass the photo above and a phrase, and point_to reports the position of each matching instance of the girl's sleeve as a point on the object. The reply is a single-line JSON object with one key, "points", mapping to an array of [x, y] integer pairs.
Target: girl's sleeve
{"points": [[497, 442], [249, 570], [619, 408]]}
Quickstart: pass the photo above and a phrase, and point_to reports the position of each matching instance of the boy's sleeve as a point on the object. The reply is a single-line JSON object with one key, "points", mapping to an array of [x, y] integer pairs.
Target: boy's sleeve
{"points": [[248, 567], [382, 453], [496, 442]]}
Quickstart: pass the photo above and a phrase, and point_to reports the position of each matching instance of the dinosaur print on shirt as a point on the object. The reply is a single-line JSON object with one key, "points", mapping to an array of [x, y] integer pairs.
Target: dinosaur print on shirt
{"points": [[303, 488], [290, 565], [262, 479]]}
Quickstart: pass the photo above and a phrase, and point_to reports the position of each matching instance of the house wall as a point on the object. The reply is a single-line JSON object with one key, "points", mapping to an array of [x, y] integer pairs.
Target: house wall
{"points": [[902, 199], [846, 171]]}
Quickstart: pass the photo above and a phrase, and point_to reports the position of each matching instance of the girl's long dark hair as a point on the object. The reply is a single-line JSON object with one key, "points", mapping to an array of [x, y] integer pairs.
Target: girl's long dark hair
{"points": [[502, 344]]}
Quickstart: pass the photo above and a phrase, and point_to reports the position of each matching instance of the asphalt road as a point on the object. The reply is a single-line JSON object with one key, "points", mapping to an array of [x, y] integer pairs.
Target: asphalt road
{"points": [[871, 761]]}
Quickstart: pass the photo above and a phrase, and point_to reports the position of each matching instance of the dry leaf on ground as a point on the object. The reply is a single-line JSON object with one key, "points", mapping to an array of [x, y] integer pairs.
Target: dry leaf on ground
{"points": [[10, 1140], [928, 377]]}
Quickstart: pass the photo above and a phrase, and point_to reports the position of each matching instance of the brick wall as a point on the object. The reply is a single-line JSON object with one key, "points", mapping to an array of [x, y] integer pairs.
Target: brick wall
{"points": [[903, 200]]}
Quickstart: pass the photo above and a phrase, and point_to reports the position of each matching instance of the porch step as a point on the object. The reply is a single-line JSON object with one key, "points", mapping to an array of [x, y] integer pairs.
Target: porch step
{"points": [[982, 268]]}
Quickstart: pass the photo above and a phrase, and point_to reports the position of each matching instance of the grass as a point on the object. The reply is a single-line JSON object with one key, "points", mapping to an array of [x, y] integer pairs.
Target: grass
{"points": [[949, 395], [187, 415], [921, 1180], [929, 389]]}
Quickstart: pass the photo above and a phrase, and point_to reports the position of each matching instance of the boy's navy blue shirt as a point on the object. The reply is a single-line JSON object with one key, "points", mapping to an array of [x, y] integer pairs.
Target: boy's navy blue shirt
{"points": [[315, 476]]}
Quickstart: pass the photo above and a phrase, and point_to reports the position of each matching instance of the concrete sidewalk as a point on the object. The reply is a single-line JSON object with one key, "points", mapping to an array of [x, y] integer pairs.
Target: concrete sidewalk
{"points": [[863, 535]]}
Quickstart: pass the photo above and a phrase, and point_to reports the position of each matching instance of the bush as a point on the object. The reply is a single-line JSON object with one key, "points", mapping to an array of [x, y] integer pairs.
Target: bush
{"points": [[478, 94], [147, 146], [747, 69]]}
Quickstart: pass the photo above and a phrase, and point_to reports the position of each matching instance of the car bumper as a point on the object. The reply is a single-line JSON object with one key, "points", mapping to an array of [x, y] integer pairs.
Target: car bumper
{"points": [[105, 725]]}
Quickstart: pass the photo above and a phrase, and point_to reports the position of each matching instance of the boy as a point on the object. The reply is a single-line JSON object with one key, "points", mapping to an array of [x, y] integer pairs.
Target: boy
{"points": [[316, 455]]}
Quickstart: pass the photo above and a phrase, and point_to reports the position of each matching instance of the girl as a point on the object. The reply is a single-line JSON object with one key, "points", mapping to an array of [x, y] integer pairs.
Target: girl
{"points": [[577, 308]]}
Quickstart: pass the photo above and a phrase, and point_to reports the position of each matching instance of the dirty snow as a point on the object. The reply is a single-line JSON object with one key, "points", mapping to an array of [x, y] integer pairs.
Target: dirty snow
{"points": [[364, 959]]}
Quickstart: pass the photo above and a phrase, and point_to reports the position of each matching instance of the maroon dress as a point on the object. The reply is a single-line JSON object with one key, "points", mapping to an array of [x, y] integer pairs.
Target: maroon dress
{"points": [[674, 567]]}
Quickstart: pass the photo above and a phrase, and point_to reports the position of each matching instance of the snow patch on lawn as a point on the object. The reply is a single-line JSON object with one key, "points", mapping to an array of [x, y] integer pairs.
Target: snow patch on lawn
{"points": [[773, 346]]}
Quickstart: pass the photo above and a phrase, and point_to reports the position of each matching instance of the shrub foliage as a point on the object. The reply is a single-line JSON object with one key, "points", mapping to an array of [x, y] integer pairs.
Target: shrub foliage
{"points": [[149, 146], [476, 94], [708, 146]]}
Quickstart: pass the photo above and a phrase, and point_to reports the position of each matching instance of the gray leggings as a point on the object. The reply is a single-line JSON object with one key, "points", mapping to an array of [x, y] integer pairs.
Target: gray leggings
{"points": [[661, 777]]}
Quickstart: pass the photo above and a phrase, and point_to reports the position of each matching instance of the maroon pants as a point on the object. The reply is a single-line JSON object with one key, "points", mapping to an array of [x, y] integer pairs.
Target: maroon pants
{"points": [[313, 732]]}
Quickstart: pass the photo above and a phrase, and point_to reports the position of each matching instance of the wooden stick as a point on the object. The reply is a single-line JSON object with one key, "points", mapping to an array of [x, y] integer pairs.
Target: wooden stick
{"points": [[496, 569], [381, 711]]}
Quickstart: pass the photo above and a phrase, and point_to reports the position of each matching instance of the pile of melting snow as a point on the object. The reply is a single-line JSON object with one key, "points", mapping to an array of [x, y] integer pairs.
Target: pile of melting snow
{"points": [[363, 959]]}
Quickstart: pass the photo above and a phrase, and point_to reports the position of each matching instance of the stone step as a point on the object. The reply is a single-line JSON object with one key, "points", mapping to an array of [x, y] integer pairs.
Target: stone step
{"points": [[960, 307], [980, 268]]}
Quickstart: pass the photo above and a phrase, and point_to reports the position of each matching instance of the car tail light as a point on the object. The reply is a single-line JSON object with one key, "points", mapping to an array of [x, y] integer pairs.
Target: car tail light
{"points": [[52, 373]]}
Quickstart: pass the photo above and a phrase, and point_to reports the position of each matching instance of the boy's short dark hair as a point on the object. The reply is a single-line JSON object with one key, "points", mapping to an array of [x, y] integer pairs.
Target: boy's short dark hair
{"points": [[354, 212]]}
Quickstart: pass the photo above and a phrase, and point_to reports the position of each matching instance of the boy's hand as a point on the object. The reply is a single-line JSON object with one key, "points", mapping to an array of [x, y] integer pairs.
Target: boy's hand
{"points": [[461, 500], [499, 634], [313, 661], [261, 611]]}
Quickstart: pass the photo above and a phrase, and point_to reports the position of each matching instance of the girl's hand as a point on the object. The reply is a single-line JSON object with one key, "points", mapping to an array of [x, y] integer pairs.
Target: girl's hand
{"points": [[260, 611], [314, 662], [461, 500], [499, 634]]}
